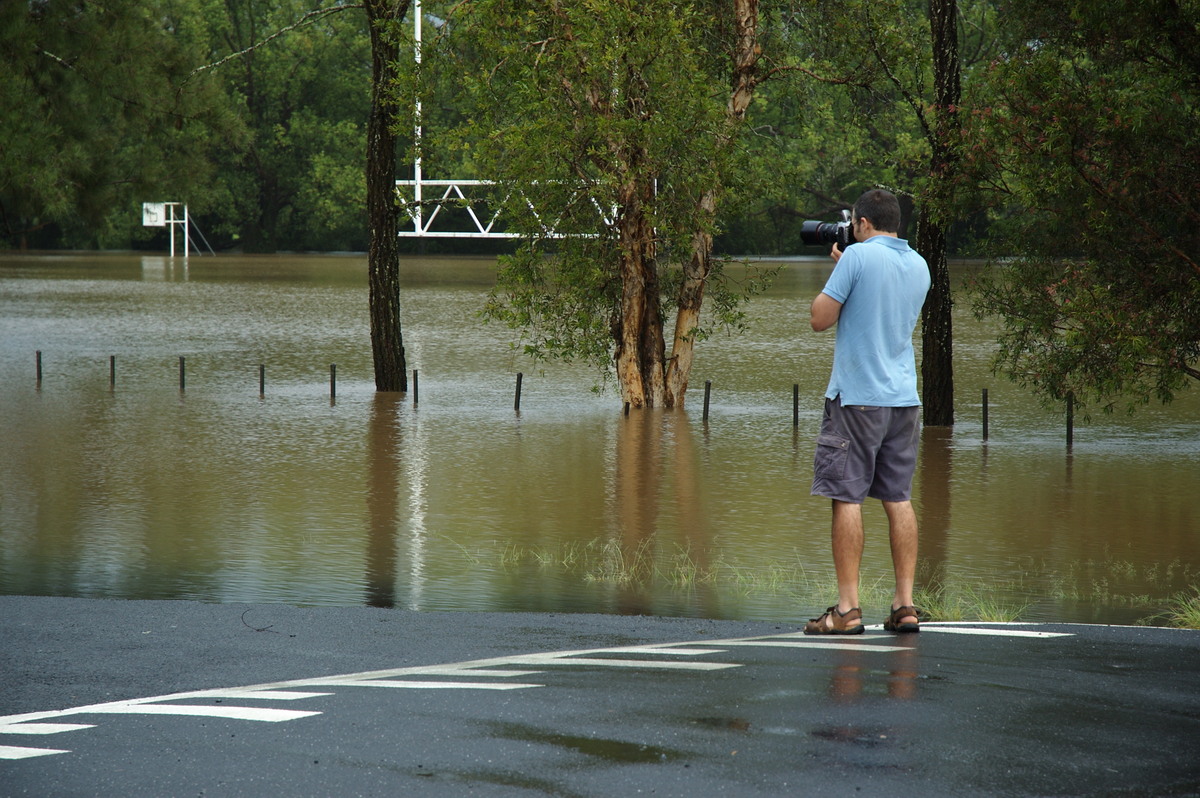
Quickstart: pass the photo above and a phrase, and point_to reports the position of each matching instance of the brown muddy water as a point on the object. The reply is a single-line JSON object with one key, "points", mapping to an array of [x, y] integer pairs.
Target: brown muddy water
{"points": [[115, 482]]}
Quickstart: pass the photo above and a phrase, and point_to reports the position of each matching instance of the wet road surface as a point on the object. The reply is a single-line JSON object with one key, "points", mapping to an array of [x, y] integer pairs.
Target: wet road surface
{"points": [[135, 698]]}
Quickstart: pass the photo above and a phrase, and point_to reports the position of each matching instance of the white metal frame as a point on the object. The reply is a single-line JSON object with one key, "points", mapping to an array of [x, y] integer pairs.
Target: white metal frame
{"points": [[151, 218], [453, 192], [173, 221]]}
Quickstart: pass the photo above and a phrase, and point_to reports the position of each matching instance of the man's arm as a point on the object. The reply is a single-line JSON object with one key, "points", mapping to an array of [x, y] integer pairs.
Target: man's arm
{"points": [[825, 312]]}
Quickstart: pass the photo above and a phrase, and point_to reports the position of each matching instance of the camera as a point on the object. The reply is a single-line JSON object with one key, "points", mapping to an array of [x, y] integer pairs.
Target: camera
{"points": [[825, 233]]}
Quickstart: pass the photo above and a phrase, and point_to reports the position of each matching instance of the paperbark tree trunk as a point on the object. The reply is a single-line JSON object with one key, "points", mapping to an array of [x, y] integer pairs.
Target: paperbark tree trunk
{"points": [[640, 346]]}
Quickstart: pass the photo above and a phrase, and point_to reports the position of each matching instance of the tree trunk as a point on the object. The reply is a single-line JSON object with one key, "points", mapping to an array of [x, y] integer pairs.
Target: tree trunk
{"points": [[937, 350], [937, 363], [687, 315], [640, 347], [383, 258]]}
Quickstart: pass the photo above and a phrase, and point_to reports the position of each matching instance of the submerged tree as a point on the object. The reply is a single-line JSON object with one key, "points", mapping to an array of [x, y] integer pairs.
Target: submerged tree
{"points": [[383, 259], [1090, 146], [613, 134]]}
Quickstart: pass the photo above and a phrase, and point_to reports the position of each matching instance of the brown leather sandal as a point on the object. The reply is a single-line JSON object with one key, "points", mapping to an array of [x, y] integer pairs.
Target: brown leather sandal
{"points": [[835, 622], [895, 622]]}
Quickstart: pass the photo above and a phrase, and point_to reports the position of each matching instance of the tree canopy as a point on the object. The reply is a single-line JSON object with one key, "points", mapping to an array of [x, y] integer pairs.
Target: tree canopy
{"points": [[93, 116], [1087, 145], [611, 139], [651, 132]]}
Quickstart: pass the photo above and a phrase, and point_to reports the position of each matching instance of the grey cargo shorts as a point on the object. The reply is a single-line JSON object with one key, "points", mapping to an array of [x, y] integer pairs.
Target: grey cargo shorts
{"points": [[866, 451]]}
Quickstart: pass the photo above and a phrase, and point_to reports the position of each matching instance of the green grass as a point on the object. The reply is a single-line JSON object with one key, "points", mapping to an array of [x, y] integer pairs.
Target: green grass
{"points": [[654, 564], [1182, 611], [962, 602]]}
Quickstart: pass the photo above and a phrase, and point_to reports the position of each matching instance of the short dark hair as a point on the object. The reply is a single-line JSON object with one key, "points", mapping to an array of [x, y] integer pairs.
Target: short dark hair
{"points": [[881, 208]]}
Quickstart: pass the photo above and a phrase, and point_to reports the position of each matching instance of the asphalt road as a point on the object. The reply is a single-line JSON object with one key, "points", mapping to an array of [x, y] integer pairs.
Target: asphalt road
{"points": [[132, 698]]}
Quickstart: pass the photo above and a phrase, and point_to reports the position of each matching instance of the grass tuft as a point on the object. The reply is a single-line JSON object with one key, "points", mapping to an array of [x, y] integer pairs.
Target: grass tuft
{"points": [[1182, 611], [957, 602]]}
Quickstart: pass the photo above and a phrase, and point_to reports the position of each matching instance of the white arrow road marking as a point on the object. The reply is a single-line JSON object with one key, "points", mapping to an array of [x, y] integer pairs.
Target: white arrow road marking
{"points": [[812, 644], [260, 695], [959, 630], [633, 663], [43, 728], [16, 752], [965, 630]]}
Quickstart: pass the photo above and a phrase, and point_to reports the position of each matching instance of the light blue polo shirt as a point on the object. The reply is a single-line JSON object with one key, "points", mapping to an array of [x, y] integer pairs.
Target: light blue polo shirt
{"points": [[881, 283]]}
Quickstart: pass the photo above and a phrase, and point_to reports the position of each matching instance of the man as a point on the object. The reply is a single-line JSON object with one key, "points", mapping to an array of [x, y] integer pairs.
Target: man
{"points": [[867, 446]]}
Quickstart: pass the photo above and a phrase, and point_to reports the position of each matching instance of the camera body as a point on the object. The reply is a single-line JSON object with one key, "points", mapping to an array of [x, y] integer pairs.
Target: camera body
{"points": [[826, 233]]}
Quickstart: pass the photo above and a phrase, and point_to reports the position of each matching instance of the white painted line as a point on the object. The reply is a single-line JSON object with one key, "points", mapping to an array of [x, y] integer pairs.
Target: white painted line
{"points": [[816, 644], [457, 670], [233, 713], [431, 685], [16, 752], [259, 695], [43, 728], [639, 663], [960, 630], [668, 648]]}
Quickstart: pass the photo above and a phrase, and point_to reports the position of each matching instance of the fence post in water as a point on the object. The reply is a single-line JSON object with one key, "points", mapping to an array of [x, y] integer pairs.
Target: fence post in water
{"points": [[112, 371], [181, 372], [707, 393], [39, 367], [795, 404], [517, 400], [262, 380], [985, 414], [1070, 419], [332, 381], [416, 388]]}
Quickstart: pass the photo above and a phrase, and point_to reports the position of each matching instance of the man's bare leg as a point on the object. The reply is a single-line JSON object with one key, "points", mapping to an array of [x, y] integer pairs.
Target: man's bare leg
{"points": [[902, 531], [847, 551]]}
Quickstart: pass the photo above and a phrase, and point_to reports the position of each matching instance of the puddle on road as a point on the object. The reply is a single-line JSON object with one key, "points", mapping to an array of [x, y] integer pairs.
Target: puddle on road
{"points": [[733, 724], [618, 751]]}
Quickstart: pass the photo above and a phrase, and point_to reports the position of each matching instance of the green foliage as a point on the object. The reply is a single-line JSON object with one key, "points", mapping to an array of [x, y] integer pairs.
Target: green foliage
{"points": [[296, 181], [1088, 145], [124, 102], [98, 117], [581, 111], [1182, 611]]}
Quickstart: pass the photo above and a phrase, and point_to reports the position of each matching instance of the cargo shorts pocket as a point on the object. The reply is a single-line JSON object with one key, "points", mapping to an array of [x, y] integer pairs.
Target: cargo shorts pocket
{"points": [[832, 453]]}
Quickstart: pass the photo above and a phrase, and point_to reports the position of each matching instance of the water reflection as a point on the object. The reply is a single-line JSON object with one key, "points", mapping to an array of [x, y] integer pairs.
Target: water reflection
{"points": [[856, 674], [383, 496], [935, 466], [658, 503]]}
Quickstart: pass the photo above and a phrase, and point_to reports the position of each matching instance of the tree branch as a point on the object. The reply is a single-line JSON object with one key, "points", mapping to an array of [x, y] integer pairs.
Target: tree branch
{"points": [[315, 14], [887, 68]]}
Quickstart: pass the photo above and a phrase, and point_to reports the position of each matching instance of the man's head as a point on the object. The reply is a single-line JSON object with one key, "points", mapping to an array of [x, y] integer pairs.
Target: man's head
{"points": [[880, 208]]}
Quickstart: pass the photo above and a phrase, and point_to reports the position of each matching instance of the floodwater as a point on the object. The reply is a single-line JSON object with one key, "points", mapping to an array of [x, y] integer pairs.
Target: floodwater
{"points": [[120, 479]]}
